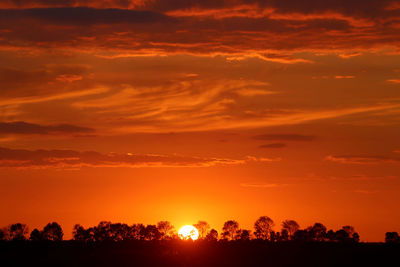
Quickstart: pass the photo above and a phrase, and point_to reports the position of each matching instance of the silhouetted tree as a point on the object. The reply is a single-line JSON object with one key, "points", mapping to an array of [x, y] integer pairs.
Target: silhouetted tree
{"points": [[290, 226], [2, 234], [36, 235], [317, 232], [349, 229], [263, 227], [212, 235], [242, 234], [150, 232], [229, 230], [102, 231], [81, 234], [330, 235], [302, 236], [284, 235], [342, 236], [166, 229], [17, 231], [273, 236], [52, 232], [137, 231], [203, 228], [356, 237], [392, 238]]}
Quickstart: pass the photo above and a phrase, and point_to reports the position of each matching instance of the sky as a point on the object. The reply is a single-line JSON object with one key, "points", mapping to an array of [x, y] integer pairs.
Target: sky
{"points": [[138, 111]]}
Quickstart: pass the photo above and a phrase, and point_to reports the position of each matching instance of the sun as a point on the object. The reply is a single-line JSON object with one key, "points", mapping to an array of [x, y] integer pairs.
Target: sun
{"points": [[188, 232]]}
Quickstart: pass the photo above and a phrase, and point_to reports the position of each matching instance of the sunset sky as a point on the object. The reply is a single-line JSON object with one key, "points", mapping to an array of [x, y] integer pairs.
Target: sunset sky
{"points": [[138, 111]]}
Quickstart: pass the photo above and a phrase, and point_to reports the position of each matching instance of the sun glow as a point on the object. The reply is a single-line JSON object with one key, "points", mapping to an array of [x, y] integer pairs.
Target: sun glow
{"points": [[188, 232]]}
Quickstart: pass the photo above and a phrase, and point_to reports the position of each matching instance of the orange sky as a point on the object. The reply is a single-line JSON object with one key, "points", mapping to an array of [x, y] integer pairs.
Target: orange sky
{"points": [[141, 111]]}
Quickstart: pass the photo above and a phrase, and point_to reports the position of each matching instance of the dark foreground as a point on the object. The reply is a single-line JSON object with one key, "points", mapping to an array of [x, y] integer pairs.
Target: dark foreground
{"points": [[179, 253]]}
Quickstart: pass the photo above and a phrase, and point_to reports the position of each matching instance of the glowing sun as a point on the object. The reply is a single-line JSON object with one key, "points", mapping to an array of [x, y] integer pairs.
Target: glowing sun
{"points": [[188, 232]]}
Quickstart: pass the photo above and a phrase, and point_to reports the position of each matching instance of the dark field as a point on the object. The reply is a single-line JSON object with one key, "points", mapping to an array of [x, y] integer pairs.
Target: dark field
{"points": [[179, 253]]}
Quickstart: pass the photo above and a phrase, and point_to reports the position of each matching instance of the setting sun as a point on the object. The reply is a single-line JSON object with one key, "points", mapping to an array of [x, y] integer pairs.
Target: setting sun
{"points": [[188, 232]]}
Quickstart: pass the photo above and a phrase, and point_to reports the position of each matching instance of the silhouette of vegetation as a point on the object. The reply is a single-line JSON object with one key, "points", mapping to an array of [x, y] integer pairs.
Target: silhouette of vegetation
{"points": [[392, 238], [289, 227], [118, 244], [166, 229], [230, 229], [202, 227], [263, 227], [17, 232], [212, 235]]}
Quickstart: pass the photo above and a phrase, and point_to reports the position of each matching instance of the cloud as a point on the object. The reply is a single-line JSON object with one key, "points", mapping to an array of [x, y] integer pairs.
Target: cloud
{"points": [[69, 78], [344, 77], [262, 159], [285, 137], [365, 192], [395, 81], [51, 97], [253, 92], [256, 185], [21, 158], [21, 127], [361, 159], [269, 30], [273, 145]]}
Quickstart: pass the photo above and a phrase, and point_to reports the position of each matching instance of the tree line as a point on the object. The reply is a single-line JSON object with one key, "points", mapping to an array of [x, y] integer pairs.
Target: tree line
{"points": [[164, 230]]}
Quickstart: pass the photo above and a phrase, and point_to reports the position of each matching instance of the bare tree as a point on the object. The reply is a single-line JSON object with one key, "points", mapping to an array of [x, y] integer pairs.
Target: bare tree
{"points": [[166, 229], [263, 227], [290, 226], [203, 228], [230, 228]]}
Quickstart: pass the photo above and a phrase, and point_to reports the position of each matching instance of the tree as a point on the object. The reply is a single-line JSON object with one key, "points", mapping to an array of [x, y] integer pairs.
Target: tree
{"points": [[290, 226], [2, 234], [52, 232], [263, 227], [330, 235], [230, 228], [317, 232], [136, 231], [301, 236], [356, 237], [243, 235], [150, 232], [392, 238], [349, 229], [203, 227], [80, 234], [166, 229], [284, 235], [18, 231], [212, 235], [36, 235], [342, 236]]}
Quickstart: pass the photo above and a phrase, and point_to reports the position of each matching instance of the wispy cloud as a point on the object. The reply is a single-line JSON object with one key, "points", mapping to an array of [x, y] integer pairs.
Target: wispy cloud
{"points": [[21, 127], [362, 159], [285, 137], [45, 98], [257, 185], [22, 158], [273, 145], [395, 81]]}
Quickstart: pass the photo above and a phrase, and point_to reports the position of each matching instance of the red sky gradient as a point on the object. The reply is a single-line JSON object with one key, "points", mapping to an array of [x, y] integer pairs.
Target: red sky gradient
{"points": [[148, 110]]}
